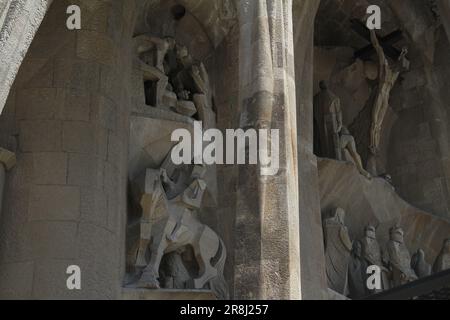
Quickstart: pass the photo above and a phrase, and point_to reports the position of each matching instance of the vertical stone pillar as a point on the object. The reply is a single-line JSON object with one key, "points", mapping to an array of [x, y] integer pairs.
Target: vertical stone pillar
{"points": [[65, 202], [312, 258], [267, 262], [19, 21]]}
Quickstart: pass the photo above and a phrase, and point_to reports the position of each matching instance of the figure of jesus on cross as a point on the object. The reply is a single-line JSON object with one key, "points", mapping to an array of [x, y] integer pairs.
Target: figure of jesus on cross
{"points": [[387, 77]]}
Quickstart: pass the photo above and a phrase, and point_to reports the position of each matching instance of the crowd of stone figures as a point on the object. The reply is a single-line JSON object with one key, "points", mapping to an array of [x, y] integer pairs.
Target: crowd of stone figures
{"points": [[348, 262]]}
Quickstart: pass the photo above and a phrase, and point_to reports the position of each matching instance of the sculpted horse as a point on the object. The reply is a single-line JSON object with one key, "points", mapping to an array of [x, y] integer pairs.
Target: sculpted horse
{"points": [[170, 225]]}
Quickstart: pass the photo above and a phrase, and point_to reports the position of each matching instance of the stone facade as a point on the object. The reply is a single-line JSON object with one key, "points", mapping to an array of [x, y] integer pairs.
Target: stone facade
{"points": [[85, 114]]}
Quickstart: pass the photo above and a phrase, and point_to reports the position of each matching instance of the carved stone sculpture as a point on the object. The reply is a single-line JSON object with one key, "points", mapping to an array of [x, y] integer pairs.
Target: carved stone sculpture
{"points": [[387, 76], [153, 50], [173, 79], [349, 152], [442, 262], [328, 117], [337, 251], [7, 162], [420, 265], [357, 273], [399, 259], [371, 252], [168, 224]]}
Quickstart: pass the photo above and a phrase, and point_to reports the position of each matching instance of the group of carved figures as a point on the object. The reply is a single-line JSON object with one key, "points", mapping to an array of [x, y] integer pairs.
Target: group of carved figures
{"points": [[173, 78], [347, 262], [173, 249], [334, 139]]}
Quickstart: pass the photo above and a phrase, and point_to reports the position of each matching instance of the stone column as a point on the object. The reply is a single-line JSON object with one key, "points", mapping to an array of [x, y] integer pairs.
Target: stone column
{"points": [[19, 21], [7, 162], [65, 202], [312, 258], [267, 262]]}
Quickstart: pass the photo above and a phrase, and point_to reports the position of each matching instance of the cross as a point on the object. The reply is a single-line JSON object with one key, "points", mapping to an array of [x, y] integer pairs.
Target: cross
{"points": [[386, 42]]}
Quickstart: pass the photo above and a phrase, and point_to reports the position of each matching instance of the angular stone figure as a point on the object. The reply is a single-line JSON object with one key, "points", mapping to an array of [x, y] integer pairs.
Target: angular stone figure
{"points": [[387, 77], [349, 152], [420, 265], [168, 224], [153, 50], [357, 276], [337, 251], [371, 252], [442, 262], [174, 274], [399, 258], [328, 117]]}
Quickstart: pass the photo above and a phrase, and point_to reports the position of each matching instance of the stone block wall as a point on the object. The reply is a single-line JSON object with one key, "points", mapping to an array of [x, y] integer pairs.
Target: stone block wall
{"points": [[418, 151], [68, 115]]}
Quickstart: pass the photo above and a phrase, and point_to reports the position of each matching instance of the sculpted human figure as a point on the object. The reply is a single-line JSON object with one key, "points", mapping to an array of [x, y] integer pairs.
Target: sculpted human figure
{"points": [[349, 152], [399, 258], [442, 262], [387, 77], [153, 50], [169, 202], [337, 251], [420, 265], [371, 252], [328, 117], [357, 273]]}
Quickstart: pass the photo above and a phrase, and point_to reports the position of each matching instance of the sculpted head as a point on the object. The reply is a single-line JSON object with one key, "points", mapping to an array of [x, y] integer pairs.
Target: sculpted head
{"points": [[396, 234], [171, 42], [421, 254], [323, 85], [370, 232], [446, 246], [339, 215]]}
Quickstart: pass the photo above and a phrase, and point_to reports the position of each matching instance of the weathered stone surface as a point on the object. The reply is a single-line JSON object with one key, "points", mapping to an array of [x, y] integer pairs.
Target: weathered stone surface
{"points": [[19, 21], [186, 108], [145, 294]]}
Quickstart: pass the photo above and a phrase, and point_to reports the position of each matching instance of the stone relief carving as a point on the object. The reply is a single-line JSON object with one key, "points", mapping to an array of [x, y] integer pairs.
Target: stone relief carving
{"points": [[349, 151], [337, 251], [175, 250], [372, 253], [173, 79], [347, 263], [420, 265], [334, 139], [387, 78], [357, 273], [399, 259], [328, 117], [442, 262]]}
